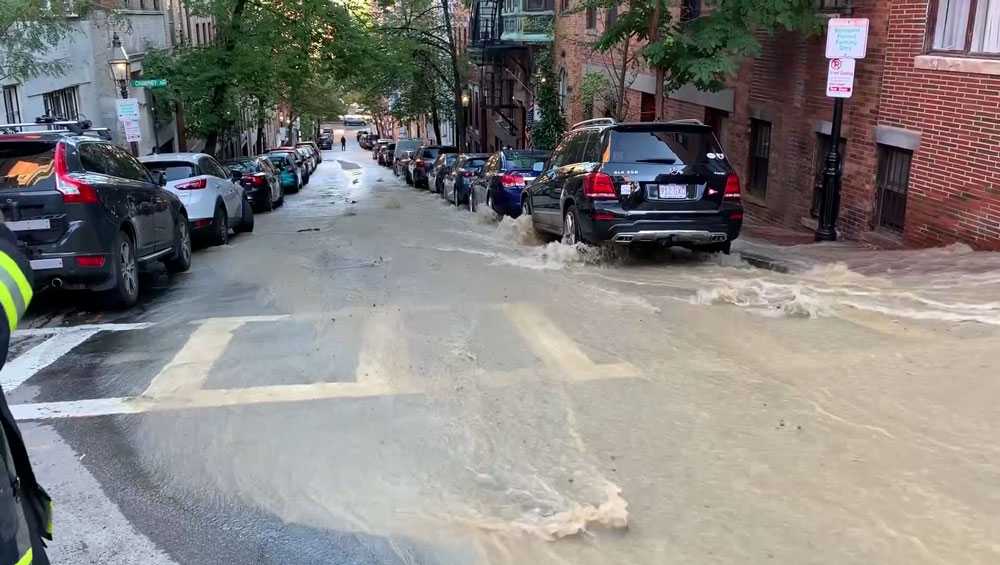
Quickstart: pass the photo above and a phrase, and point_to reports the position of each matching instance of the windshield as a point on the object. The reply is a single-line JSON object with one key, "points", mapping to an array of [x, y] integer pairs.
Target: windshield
{"points": [[474, 163], [683, 148], [173, 170], [524, 162], [242, 166]]}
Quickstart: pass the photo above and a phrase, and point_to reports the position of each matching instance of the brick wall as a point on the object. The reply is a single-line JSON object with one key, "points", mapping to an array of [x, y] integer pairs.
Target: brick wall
{"points": [[954, 191]]}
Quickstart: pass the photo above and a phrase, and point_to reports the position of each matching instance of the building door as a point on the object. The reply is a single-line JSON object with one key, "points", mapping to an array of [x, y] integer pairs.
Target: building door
{"points": [[716, 119], [892, 184], [647, 107]]}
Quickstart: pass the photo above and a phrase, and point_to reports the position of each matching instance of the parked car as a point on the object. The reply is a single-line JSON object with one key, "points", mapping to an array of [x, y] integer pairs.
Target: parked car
{"points": [[667, 183], [439, 169], [385, 154], [212, 195], [420, 165], [300, 162], [400, 167], [313, 148], [87, 214], [455, 187], [260, 181], [309, 158], [378, 145], [325, 142], [289, 174], [360, 134], [506, 174], [402, 146]]}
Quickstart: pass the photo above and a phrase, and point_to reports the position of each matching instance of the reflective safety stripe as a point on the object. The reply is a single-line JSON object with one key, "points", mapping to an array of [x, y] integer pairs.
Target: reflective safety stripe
{"points": [[26, 558], [48, 519], [18, 292]]}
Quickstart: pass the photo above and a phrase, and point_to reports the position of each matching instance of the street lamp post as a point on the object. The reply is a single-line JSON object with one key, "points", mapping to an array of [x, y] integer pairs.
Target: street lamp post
{"points": [[119, 64]]}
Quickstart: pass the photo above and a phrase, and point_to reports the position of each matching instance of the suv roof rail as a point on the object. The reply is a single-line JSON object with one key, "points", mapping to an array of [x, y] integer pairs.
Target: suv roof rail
{"points": [[691, 121], [51, 125], [594, 122]]}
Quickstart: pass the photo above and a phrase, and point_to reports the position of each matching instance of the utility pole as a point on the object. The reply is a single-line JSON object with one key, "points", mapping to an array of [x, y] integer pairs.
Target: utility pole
{"points": [[846, 42]]}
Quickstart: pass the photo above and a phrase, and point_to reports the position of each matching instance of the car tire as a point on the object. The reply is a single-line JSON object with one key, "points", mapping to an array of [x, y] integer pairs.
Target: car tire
{"points": [[490, 204], [220, 226], [571, 227], [180, 261], [268, 205], [472, 200], [246, 217], [125, 270], [281, 198]]}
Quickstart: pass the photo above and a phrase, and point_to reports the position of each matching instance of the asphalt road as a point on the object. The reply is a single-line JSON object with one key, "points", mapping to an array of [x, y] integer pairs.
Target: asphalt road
{"points": [[375, 377]]}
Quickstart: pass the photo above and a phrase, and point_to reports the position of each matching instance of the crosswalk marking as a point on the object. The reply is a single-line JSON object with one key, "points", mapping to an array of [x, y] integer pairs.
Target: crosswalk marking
{"points": [[42, 355], [189, 368], [384, 355]]}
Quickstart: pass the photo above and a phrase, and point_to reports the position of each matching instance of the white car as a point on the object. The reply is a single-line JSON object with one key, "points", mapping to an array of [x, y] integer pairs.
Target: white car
{"points": [[214, 201]]}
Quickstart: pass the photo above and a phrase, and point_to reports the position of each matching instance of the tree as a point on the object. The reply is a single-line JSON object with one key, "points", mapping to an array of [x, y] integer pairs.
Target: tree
{"points": [[29, 29], [549, 129], [705, 48]]}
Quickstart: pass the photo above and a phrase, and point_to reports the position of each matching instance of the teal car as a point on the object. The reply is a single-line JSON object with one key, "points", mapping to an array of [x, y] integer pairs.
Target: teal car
{"points": [[288, 171]]}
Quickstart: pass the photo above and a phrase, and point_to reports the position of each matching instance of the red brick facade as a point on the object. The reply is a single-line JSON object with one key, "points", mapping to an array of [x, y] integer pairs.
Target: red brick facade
{"points": [[905, 104]]}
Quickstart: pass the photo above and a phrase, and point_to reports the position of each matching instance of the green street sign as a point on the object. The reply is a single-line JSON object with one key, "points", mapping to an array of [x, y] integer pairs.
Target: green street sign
{"points": [[149, 83]]}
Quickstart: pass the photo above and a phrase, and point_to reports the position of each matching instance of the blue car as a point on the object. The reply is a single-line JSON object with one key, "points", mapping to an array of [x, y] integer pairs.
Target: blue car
{"points": [[504, 179], [457, 182]]}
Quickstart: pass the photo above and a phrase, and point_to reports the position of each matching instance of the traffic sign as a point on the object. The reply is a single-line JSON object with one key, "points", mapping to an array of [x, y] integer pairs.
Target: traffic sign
{"points": [[132, 130], [840, 78], [149, 83], [847, 38], [128, 108]]}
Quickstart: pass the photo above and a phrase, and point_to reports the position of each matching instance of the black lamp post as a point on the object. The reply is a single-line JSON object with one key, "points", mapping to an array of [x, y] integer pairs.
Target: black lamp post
{"points": [[119, 64]]}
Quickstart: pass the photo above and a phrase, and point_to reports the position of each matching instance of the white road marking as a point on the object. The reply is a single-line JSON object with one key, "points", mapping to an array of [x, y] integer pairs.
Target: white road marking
{"points": [[59, 330], [384, 355], [75, 408], [189, 368], [40, 356]]}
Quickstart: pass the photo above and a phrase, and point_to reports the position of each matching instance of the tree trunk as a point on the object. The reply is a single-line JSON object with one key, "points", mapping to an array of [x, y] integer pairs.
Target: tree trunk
{"points": [[435, 117], [456, 78], [219, 90], [621, 81], [654, 37]]}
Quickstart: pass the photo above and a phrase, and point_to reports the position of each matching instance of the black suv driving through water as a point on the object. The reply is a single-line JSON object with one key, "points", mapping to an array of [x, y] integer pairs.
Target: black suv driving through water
{"points": [[86, 212], [667, 183]]}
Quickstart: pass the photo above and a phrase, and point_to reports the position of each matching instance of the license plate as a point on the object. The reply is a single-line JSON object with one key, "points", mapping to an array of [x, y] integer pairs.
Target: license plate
{"points": [[672, 191], [29, 225], [42, 264]]}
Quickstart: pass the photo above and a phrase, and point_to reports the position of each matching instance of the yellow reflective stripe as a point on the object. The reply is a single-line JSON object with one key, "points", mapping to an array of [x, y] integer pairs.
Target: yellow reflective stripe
{"points": [[8, 307], [9, 265], [26, 558], [48, 525]]}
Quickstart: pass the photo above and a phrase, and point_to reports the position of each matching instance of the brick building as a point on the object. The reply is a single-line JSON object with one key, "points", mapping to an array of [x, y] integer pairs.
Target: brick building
{"points": [[921, 135]]}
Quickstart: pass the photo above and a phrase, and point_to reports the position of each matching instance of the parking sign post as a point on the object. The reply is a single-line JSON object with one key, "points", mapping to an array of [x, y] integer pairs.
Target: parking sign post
{"points": [[846, 41]]}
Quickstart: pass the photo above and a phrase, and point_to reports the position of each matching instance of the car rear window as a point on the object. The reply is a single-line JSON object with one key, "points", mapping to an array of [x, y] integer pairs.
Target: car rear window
{"points": [[474, 163], [524, 162], [669, 147], [25, 164], [173, 170], [279, 160], [242, 166], [430, 153]]}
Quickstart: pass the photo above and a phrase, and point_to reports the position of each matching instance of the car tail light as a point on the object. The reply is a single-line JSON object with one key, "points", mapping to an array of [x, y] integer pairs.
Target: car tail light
{"points": [[512, 180], [598, 185], [466, 173], [732, 187], [73, 190], [255, 180], [604, 216], [196, 184], [90, 260], [736, 216]]}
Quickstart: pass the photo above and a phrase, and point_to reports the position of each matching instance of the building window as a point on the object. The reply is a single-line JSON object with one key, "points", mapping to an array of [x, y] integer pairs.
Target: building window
{"points": [[62, 104], [11, 105], [563, 5], [591, 18], [537, 5], [760, 154], [611, 16], [892, 184], [833, 5], [966, 26]]}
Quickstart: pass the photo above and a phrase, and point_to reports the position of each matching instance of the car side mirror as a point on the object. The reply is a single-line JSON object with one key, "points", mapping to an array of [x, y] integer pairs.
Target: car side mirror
{"points": [[538, 167], [160, 178]]}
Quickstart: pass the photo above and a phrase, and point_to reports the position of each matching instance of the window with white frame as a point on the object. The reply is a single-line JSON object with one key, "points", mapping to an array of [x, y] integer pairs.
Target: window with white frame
{"points": [[966, 27], [63, 104], [11, 105]]}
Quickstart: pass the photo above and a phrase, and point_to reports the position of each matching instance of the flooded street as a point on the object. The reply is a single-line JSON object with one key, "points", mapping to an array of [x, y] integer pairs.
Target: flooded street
{"points": [[374, 376]]}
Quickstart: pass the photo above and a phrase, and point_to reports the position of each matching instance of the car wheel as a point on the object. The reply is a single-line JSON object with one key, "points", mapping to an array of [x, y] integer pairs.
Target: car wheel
{"points": [[571, 227], [246, 217], [125, 292], [268, 203], [181, 259], [489, 204], [220, 226], [281, 198], [472, 200]]}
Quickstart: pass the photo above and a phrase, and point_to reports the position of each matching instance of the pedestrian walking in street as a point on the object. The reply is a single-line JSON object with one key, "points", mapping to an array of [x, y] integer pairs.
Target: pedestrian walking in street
{"points": [[25, 508], [343, 143]]}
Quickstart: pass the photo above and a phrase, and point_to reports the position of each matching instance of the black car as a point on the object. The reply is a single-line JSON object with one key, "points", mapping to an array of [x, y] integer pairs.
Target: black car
{"points": [[87, 213], [261, 180], [439, 169], [504, 179], [456, 183], [667, 183], [385, 153], [420, 165]]}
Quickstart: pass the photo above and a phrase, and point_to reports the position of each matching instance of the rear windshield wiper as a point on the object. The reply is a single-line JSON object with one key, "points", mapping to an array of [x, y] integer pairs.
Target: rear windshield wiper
{"points": [[662, 161]]}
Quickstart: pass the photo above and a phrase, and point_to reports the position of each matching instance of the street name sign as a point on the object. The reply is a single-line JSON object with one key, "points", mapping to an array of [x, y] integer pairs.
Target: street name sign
{"points": [[847, 38], [128, 109], [840, 78], [149, 83]]}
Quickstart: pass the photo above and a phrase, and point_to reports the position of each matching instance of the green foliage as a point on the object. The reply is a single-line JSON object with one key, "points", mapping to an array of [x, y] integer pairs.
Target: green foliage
{"points": [[29, 29], [547, 131], [707, 50]]}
